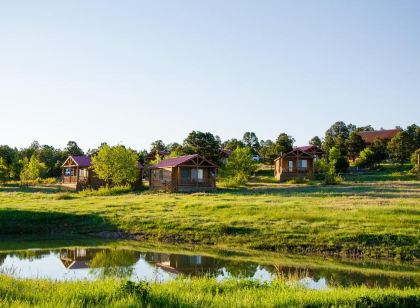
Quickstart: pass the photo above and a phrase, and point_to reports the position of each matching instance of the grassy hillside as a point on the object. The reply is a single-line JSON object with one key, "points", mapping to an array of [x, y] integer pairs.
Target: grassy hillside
{"points": [[378, 219]]}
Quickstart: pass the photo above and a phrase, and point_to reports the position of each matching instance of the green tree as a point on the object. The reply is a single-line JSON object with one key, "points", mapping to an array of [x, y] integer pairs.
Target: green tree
{"points": [[268, 151], [4, 170], [53, 159], [32, 169], [116, 165], [415, 160], [204, 144], [239, 167], [328, 166], [400, 147], [250, 140], [232, 144], [284, 143], [379, 150], [413, 132], [316, 141], [354, 145], [157, 146], [336, 136], [366, 159], [8, 153], [73, 149]]}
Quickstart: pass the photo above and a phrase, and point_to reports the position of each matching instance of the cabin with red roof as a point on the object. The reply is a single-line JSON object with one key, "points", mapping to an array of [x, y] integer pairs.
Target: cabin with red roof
{"points": [[187, 173], [77, 174], [297, 163], [385, 134]]}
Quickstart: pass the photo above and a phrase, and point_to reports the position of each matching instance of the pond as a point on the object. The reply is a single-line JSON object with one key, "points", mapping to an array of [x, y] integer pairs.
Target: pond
{"points": [[89, 263]]}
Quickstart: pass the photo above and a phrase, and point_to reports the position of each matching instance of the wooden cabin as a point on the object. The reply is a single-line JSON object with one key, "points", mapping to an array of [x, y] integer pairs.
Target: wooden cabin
{"points": [[297, 163], [183, 174], [77, 174]]}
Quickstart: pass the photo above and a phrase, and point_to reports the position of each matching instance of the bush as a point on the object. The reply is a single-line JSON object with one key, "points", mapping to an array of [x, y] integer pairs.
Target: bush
{"points": [[107, 191], [37, 181], [366, 159], [298, 180], [332, 179], [240, 166], [140, 289]]}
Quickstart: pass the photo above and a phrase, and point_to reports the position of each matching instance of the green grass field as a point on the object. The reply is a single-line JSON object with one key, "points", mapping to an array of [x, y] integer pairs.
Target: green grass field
{"points": [[374, 215], [374, 219]]}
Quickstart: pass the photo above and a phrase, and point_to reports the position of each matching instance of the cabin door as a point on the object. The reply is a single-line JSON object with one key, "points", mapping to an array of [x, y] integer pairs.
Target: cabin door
{"points": [[185, 175], [290, 165]]}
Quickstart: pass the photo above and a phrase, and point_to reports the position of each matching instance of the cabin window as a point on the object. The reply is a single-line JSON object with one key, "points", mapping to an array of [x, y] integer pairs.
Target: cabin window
{"points": [[161, 174], [69, 172], [290, 165], [303, 164], [82, 172], [197, 175]]}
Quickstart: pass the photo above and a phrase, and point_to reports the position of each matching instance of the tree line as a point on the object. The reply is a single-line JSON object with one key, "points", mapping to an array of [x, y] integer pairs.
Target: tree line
{"points": [[44, 161]]}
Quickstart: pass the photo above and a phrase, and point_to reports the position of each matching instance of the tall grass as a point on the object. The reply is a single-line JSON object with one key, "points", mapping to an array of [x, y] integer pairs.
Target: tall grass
{"points": [[107, 191], [203, 292]]}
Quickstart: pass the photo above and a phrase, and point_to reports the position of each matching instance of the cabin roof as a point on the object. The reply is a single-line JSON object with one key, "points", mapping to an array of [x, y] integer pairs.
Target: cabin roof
{"points": [[176, 161], [85, 161], [295, 152], [226, 152], [82, 160], [305, 148], [385, 134]]}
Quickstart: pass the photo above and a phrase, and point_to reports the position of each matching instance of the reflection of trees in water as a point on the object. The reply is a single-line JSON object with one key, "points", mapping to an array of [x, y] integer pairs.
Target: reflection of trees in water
{"points": [[340, 278], [114, 263], [28, 254], [238, 269], [3, 257]]}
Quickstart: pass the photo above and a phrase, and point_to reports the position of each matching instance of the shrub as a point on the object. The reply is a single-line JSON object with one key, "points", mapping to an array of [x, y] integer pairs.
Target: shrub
{"points": [[140, 289], [366, 159], [239, 167], [298, 180], [107, 191]]}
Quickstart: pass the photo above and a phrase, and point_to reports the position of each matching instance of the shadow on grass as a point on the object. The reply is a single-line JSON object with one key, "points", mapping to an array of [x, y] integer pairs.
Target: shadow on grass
{"points": [[394, 190], [24, 222], [31, 189]]}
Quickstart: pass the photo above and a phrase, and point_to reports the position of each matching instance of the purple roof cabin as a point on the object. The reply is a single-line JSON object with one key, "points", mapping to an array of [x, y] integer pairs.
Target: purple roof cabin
{"points": [[183, 174], [77, 174]]}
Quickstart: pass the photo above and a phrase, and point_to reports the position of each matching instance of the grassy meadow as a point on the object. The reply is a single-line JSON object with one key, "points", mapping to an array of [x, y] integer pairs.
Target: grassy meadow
{"points": [[369, 216], [363, 218]]}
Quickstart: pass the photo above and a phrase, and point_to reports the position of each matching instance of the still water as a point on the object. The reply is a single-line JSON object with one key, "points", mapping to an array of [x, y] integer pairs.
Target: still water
{"points": [[81, 263]]}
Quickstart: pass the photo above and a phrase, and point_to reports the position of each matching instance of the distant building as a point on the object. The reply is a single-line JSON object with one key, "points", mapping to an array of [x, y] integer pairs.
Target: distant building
{"points": [[77, 174], [183, 174], [386, 135], [297, 163], [224, 154]]}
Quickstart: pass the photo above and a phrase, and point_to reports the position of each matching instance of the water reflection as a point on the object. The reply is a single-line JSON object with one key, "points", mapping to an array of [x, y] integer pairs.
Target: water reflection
{"points": [[97, 263]]}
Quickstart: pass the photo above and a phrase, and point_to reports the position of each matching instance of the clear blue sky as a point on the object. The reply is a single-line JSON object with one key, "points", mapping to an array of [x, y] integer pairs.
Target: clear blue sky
{"points": [[135, 71]]}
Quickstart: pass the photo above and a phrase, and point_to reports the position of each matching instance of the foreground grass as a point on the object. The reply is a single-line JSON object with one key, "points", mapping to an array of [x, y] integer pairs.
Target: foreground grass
{"points": [[379, 219], [193, 293]]}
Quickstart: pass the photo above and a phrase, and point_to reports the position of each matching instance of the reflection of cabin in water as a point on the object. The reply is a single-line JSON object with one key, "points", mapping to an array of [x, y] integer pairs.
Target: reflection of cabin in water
{"points": [[77, 258], [182, 264], [77, 174], [183, 174], [297, 163]]}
